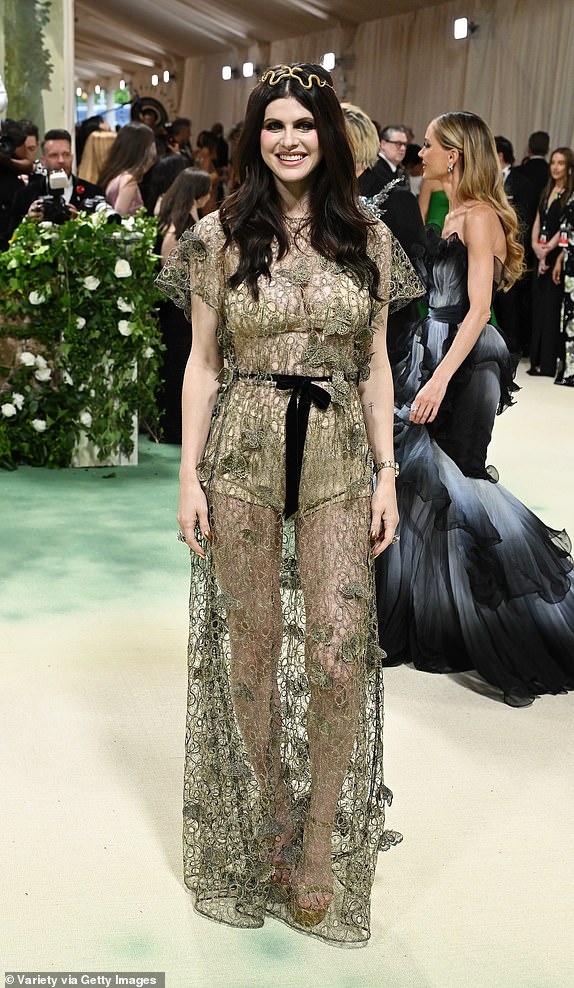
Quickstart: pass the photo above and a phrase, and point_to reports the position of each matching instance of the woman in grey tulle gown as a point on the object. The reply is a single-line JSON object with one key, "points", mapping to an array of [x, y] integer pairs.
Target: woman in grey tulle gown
{"points": [[478, 581]]}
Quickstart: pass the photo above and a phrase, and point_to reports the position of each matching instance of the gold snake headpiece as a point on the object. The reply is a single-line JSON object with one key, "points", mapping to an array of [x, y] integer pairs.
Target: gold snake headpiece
{"points": [[280, 72]]}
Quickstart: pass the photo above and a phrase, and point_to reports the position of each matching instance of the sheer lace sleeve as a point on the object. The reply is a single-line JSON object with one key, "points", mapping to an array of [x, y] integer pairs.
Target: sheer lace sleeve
{"points": [[195, 266], [399, 282]]}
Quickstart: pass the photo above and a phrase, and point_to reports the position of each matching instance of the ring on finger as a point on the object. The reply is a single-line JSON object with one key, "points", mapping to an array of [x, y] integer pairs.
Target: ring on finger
{"points": [[395, 539], [181, 537]]}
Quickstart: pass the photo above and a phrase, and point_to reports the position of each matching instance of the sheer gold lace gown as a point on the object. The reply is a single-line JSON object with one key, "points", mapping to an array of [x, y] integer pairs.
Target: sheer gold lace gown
{"points": [[285, 700]]}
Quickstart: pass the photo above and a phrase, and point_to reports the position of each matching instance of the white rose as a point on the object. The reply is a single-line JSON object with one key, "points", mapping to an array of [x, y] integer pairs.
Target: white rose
{"points": [[66, 378], [18, 400], [129, 222], [148, 352], [40, 361], [36, 298], [86, 419], [569, 284], [44, 374], [8, 409], [39, 425], [91, 283], [122, 269], [124, 305], [28, 359], [125, 327], [80, 322]]}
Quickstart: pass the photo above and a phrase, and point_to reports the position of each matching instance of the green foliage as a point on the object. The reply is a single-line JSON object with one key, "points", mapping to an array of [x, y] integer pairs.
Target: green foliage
{"points": [[28, 67], [85, 349]]}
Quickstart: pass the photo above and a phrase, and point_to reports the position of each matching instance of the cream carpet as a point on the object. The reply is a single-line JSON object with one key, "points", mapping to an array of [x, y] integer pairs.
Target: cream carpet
{"points": [[93, 638]]}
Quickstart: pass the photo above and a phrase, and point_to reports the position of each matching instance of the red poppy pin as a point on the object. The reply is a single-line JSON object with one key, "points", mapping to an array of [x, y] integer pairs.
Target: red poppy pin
{"points": [[80, 189]]}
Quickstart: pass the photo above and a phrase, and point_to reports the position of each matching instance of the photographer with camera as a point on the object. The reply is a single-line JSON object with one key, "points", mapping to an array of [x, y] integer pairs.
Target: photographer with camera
{"points": [[56, 194], [14, 162]]}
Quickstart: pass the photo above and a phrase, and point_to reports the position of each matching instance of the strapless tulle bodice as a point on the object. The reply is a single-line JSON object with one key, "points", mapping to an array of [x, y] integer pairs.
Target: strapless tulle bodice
{"points": [[446, 275]]}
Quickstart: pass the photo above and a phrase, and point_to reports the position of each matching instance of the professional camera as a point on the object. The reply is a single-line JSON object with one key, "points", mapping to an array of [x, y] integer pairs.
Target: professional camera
{"points": [[12, 137], [7, 146], [99, 204], [53, 205]]}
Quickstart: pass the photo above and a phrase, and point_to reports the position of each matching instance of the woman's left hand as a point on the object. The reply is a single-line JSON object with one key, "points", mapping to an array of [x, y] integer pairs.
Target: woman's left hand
{"points": [[428, 401], [384, 512]]}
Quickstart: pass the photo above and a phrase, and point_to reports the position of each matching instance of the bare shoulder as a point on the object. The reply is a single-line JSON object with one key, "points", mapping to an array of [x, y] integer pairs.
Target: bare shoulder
{"points": [[482, 227]]}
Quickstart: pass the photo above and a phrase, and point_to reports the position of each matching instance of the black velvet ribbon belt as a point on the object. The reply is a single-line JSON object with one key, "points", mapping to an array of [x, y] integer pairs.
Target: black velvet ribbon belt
{"points": [[304, 393]]}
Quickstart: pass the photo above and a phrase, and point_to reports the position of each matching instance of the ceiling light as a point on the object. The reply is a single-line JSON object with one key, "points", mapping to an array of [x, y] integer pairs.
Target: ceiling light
{"points": [[329, 61], [79, 91], [154, 79], [122, 83], [97, 89], [248, 70], [166, 75], [463, 27]]}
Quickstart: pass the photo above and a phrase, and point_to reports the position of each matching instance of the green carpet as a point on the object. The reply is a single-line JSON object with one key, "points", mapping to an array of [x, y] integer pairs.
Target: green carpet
{"points": [[78, 538]]}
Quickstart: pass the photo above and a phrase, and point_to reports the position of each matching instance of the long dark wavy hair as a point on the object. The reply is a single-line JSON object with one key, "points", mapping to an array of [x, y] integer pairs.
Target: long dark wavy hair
{"points": [[130, 152], [190, 185], [252, 217]]}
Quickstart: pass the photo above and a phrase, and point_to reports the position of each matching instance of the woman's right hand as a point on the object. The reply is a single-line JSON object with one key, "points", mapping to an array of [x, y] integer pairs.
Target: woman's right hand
{"points": [[557, 269], [192, 511]]}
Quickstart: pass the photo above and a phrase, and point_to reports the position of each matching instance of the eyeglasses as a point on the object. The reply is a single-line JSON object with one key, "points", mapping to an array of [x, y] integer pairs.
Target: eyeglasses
{"points": [[398, 144]]}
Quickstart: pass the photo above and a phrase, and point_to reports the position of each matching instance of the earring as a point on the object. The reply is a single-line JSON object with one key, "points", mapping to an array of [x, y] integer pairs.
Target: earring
{"points": [[450, 168]]}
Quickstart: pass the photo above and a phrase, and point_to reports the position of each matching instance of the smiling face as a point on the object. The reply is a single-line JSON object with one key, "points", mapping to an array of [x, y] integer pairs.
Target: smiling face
{"points": [[289, 142], [558, 167], [434, 157]]}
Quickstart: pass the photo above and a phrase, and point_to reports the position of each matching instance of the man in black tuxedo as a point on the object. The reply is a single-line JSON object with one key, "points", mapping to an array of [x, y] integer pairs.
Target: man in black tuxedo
{"points": [[402, 215], [535, 168], [389, 164], [512, 308], [56, 155]]}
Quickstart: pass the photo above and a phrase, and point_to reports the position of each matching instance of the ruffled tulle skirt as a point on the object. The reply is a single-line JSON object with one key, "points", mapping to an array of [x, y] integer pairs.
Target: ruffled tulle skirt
{"points": [[477, 581]]}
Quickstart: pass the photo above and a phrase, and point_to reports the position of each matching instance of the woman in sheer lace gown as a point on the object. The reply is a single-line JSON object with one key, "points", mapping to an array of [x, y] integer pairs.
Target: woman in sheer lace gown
{"points": [[289, 283], [478, 581]]}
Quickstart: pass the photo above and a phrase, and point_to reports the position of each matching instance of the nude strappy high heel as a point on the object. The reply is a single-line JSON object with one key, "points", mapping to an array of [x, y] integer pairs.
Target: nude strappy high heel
{"points": [[310, 915]]}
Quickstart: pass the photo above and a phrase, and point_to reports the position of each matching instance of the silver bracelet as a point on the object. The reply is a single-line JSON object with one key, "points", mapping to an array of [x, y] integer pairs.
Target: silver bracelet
{"points": [[386, 465]]}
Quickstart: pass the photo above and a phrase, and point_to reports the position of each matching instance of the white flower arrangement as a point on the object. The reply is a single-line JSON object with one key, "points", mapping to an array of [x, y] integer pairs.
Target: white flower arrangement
{"points": [[122, 268], [43, 374], [90, 343]]}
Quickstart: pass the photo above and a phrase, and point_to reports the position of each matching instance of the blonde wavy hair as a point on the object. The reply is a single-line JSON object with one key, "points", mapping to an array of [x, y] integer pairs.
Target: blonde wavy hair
{"points": [[481, 179], [362, 136]]}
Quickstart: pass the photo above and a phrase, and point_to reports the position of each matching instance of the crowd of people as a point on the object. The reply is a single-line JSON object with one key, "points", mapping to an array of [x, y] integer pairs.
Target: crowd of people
{"points": [[350, 350]]}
